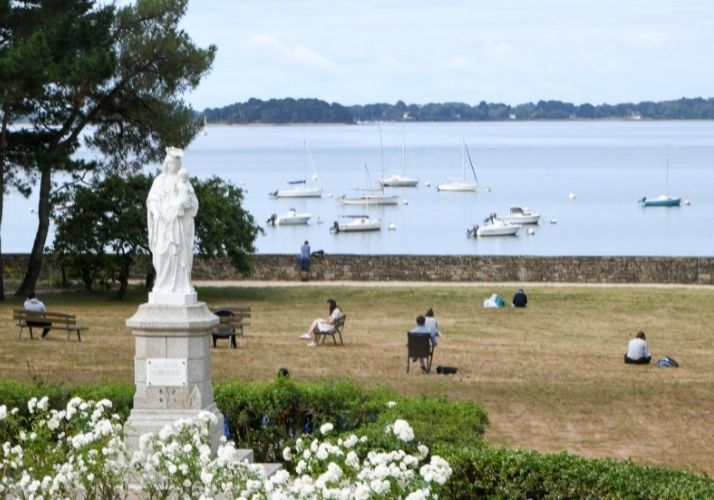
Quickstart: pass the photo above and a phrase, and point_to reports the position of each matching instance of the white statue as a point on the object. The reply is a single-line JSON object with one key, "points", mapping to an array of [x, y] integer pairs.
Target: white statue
{"points": [[171, 207]]}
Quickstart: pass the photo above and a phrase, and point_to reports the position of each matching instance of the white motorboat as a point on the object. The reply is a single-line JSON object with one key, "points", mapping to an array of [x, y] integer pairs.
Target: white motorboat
{"points": [[292, 217], [461, 185], [493, 226], [357, 223], [399, 180], [518, 215], [300, 188]]}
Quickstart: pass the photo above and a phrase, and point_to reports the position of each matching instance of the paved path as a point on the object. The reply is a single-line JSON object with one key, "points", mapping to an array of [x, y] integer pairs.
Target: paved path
{"points": [[412, 284]]}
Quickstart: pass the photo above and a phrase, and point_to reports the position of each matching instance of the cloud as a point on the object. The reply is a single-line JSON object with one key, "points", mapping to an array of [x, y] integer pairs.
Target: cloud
{"points": [[391, 61], [459, 62], [299, 54], [646, 39], [500, 52]]}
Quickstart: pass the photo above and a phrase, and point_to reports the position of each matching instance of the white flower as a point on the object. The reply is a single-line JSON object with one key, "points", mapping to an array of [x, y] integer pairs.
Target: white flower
{"points": [[287, 454], [326, 428], [351, 441], [423, 450], [31, 404], [42, 403], [352, 460], [403, 431], [391, 404]]}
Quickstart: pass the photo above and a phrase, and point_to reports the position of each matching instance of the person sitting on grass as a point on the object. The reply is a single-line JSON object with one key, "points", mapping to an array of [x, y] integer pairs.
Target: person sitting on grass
{"points": [[422, 329], [323, 325], [637, 352], [520, 299]]}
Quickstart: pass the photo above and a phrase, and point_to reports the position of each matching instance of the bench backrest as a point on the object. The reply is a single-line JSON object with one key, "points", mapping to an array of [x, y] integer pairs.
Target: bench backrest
{"points": [[47, 316]]}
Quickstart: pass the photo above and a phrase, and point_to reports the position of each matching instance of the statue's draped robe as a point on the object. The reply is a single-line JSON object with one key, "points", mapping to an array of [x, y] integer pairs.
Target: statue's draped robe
{"points": [[170, 210]]}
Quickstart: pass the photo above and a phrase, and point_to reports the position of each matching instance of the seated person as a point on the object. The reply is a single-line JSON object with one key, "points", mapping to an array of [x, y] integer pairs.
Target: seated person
{"points": [[34, 304], [430, 321], [637, 352], [323, 325], [422, 329], [520, 299]]}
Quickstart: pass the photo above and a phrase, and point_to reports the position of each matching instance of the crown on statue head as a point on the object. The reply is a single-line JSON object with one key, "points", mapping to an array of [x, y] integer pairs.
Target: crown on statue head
{"points": [[175, 152]]}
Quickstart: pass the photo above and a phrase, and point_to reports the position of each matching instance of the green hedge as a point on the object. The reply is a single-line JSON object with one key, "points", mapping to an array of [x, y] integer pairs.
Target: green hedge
{"points": [[483, 472], [265, 416]]}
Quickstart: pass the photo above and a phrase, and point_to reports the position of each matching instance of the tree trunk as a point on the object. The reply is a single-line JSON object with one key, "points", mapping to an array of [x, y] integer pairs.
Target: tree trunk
{"points": [[34, 264], [124, 267], [3, 148]]}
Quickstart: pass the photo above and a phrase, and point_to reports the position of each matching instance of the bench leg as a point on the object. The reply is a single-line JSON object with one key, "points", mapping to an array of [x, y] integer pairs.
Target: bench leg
{"points": [[233, 342]]}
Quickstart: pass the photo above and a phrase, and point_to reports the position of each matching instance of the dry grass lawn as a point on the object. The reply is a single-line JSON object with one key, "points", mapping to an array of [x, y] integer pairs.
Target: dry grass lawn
{"points": [[550, 377]]}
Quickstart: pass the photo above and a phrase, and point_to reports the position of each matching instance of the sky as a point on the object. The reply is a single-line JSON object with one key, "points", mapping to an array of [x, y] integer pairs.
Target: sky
{"points": [[420, 51]]}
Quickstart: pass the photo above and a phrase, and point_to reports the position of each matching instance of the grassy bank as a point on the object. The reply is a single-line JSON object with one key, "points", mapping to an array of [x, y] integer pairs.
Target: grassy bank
{"points": [[550, 377]]}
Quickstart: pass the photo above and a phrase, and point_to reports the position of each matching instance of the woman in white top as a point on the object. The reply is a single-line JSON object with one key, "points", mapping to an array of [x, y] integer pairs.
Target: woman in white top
{"points": [[323, 325], [637, 352], [430, 321]]}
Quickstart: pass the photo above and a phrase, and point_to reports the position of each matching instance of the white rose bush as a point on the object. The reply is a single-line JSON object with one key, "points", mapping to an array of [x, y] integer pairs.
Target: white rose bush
{"points": [[79, 451]]}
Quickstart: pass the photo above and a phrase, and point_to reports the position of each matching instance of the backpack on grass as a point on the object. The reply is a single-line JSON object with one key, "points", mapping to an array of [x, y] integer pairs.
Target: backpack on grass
{"points": [[667, 362]]}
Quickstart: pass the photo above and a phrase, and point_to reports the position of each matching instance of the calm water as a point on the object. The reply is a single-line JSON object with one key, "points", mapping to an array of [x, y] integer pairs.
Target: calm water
{"points": [[607, 165]]}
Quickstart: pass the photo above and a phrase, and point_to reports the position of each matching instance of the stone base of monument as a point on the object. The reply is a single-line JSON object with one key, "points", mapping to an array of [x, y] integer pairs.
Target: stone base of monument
{"points": [[172, 368]]}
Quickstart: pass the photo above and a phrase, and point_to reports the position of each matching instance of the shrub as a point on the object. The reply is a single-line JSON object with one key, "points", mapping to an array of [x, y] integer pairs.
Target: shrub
{"points": [[266, 416], [483, 472]]}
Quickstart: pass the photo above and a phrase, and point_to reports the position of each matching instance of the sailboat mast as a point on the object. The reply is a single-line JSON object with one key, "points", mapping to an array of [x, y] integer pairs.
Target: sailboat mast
{"points": [[381, 159], [404, 154], [463, 156]]}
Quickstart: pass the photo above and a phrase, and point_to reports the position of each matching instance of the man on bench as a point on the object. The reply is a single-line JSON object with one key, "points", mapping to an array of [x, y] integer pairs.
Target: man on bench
{"points": [[34, 304]]}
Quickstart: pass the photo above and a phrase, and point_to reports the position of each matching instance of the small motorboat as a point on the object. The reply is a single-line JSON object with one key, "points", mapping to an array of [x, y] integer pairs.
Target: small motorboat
{"points": [[662, 200], [518, 215], [356, 223], [493, 226], [291, 218]]}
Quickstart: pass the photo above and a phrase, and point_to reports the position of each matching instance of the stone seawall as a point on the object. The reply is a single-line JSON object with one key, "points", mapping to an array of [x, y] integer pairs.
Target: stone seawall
{"points": [[462, 268]]}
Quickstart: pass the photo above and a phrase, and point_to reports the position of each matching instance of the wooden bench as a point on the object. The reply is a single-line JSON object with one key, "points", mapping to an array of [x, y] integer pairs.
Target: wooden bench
{"points": [[232, 323], [335, 332], [51, 320]]}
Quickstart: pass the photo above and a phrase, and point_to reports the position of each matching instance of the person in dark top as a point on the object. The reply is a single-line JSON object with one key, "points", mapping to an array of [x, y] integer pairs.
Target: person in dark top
{"points": [[305, 261], [520, 299]]}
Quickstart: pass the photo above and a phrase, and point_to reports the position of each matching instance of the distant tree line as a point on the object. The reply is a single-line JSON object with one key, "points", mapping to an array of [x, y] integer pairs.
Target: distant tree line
{"points": [[316, 111]]}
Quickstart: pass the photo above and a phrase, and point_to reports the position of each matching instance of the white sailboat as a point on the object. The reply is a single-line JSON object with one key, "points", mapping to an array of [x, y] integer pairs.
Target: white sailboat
{"points": [[461, 185], [372, 196], [300, 188], [400, 180]]}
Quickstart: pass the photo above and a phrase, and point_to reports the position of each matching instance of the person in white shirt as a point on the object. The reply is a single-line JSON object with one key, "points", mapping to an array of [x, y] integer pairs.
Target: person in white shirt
{"points": [[430, 321], [323, 325], [34, 304], [637, 352]]}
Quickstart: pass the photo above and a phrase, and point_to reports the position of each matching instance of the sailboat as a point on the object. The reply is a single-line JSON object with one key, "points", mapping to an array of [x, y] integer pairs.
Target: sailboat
{"points": [[663, 200], [372, 196], [300, 188], [400, 180], [461, 185], [205, 125]]}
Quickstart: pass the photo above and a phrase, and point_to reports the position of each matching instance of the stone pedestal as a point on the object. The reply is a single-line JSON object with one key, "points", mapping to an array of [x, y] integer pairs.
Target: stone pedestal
{"points": [[172, 368]]}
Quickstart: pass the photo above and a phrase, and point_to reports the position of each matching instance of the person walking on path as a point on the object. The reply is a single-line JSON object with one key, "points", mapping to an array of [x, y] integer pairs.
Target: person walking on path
{"points": [[34, 304], [305, 261]]}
